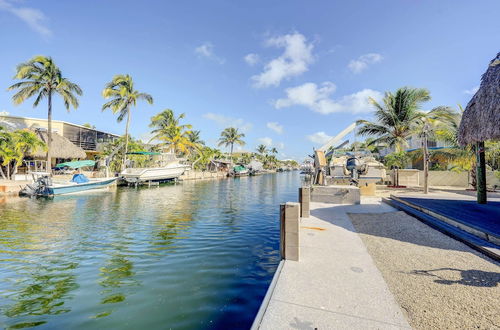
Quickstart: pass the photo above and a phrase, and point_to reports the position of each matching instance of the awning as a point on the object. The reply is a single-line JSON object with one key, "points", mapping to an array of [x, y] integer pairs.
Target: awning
{"points": [[143, 153], [76, 164]]}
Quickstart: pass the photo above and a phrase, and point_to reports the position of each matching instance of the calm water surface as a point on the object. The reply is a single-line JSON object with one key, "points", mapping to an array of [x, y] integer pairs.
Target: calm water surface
{"points": [[197, 255]]}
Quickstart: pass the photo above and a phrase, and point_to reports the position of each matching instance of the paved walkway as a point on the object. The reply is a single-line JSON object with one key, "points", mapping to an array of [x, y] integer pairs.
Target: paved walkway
{"points": [[336, 284]]}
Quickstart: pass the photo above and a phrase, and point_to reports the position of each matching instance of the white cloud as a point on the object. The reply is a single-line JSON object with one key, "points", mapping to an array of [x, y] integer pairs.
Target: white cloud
{"points": [[252, 59], [4, 113], [35, 18], [471, 91], [280, 145], [317, 98], [225, 122], [275, 127], [319, 137], [267, 141], [294, 61], [207, 50], [361, 63]]}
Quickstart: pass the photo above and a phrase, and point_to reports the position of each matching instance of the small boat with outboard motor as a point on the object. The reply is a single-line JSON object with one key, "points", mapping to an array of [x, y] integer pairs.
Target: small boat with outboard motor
{"points": [[239, 170], [44, 184]]}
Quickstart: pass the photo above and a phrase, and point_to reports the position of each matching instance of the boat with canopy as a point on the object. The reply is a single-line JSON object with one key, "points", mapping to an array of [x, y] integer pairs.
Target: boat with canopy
{"points": [[46, 186]]}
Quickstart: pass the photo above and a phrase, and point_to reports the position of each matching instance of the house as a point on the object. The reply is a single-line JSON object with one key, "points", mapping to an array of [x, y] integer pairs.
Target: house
{"points": [[83, 137]]}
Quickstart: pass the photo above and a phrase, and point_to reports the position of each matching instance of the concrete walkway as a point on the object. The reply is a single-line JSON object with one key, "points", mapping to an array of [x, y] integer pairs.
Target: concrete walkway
{"points": [[335, 285]]}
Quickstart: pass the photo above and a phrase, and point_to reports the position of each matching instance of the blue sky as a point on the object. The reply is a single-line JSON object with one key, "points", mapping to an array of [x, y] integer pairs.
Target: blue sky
{"points": [[288, 73]]}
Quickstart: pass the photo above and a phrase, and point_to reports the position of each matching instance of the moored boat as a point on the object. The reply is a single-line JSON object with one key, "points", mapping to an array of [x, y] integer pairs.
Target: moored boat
{"points": [[169, 167], [46, 186]]}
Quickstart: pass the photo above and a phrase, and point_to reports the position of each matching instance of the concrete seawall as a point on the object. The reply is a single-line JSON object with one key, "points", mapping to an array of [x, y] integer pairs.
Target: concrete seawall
{"points": [[336, 284]]}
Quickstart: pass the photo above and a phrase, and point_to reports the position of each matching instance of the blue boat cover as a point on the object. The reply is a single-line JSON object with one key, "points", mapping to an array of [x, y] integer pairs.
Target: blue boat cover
{"points": [[79, 178]]}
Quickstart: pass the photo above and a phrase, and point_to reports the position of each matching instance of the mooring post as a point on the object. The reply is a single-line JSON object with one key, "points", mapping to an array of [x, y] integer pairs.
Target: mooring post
{"points": [[289, 231], [304, 200]]}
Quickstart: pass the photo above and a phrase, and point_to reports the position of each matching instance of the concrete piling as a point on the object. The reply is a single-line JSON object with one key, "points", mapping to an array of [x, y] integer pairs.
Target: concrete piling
{"points": [[304, 200], [289, 231]]}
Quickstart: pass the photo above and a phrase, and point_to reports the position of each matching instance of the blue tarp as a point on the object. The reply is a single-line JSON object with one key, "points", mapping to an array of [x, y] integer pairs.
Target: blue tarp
{"points": [[79, 178]]}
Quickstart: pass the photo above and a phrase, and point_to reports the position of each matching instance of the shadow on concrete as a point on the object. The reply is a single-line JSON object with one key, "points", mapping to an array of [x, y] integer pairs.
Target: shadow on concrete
{"points": [[469, 277], [302, 325]]}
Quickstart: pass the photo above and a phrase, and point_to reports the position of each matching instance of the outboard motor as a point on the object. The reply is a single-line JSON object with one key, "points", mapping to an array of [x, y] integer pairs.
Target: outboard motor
{"points": [[354, 166], [37, 187]]}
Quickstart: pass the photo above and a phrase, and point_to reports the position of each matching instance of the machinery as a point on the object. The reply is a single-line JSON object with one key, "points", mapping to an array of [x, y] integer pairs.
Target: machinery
{"points": [[350, 168]]}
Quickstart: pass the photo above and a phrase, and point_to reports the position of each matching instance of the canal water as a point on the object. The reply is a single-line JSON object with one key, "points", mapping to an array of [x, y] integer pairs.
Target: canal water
{"points": [[195, 255]]}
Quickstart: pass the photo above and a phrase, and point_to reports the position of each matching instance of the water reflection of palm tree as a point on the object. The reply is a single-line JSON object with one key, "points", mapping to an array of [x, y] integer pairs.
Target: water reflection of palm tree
{"points": [[46, 289]]}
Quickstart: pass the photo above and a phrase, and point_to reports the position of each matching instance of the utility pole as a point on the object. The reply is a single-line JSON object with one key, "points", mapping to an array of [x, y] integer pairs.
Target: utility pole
{"points": [[426, 159]]}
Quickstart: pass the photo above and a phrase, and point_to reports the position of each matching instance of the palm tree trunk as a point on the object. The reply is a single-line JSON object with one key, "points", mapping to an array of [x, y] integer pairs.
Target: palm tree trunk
{"points": [[49, 131], [14, 170], [2, 173], [426, 165], [231, 153], [126, 140]]}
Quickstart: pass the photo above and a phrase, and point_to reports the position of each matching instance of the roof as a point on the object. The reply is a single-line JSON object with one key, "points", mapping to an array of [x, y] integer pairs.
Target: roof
{"points": [[481, 118], [59, 121], [61, 147]]}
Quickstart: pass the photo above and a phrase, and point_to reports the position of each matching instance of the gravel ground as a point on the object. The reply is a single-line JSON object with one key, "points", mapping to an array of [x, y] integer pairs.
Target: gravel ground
{"points": [[439, 282]]}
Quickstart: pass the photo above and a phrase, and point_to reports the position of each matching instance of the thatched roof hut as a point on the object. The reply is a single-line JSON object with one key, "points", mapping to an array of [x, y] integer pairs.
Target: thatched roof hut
{"points": [[61, 147], [481, 118]]}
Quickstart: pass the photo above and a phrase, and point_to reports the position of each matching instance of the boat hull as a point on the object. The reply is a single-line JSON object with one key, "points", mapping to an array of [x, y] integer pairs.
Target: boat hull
{"points": [[152, 174], [73, 188]]}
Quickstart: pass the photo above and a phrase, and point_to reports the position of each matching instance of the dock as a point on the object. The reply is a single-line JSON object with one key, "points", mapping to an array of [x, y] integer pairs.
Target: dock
{"points": [[336, 284]]}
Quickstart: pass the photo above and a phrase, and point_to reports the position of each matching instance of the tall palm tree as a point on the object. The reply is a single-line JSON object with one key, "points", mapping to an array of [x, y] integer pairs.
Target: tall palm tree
{"points": [[123, 96], [41, 77], [261, 149], [395, 117], [172, 134], [274, 151], [230, 136]]}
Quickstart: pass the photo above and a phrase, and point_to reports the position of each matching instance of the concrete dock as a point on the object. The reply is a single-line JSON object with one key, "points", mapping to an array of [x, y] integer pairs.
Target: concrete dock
{"points": [[336, 284]]}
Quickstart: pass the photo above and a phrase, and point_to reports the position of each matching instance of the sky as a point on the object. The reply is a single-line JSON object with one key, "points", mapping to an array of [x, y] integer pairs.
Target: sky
{"points": [[289, 74]]}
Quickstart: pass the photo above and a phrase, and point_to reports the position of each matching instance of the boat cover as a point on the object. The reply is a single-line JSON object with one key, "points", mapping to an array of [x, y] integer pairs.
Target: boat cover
{"points": [[79, 178], [77, 164]]}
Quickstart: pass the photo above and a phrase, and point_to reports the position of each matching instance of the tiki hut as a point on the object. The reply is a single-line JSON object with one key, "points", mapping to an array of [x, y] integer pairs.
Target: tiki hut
{"points": [[481, 118], [61, 147], [481, 121]]}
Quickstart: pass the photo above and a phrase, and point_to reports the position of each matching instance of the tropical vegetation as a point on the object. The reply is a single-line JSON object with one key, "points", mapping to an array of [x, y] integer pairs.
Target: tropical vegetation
{"points": [[229, 137], [14, 147], [123, 96], [41, 78]]}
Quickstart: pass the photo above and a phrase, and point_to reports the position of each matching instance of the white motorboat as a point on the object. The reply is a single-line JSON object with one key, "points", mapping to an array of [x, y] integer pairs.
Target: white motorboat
{"points": [[169, 168]]}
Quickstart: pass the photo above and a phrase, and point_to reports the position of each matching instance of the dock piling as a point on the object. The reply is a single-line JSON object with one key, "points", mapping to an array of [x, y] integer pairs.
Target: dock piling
{"points": [[304, 200], [289, 231]]}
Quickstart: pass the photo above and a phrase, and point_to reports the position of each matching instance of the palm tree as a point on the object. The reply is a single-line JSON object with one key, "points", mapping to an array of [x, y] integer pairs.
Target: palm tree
{"points": [[123, 96], [261, 149], [230, 136], [41, 77], [5, 149], [194, 137], [274, 150], [175, 136], [395, 117], [24, 142]]}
